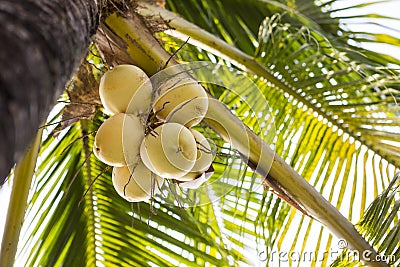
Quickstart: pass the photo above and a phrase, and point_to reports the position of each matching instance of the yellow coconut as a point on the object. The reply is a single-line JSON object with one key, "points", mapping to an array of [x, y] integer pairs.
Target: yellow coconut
{"points": [[204, 157], [117, 141], [125, 89], [180, 100], [169, 151], [135, 184]]}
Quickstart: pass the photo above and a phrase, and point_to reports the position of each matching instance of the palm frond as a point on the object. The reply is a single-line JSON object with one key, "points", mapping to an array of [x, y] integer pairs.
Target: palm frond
{"points": [[380, 225], [358, 98], [341, 91], [329, 18], [335, 116], [71, 228]]}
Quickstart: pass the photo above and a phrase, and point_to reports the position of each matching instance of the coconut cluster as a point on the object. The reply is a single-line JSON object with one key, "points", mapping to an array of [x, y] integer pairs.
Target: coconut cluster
{"points": [[148, 137]]}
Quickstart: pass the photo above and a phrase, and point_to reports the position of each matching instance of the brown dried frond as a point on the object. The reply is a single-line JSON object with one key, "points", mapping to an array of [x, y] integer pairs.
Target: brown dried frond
{"points": [[83, 94]]}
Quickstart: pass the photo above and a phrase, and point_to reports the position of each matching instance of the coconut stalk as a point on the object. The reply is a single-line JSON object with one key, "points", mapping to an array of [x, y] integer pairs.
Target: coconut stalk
{"points": [[128, 37], [22, 180]]}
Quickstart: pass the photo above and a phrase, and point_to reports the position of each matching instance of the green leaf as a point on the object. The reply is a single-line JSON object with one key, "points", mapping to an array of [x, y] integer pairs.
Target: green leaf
{"points": [[335, 113], [380, 225]]}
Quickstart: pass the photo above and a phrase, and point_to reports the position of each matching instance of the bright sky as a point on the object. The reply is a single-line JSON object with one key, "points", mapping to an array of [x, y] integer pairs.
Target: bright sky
{"points": [[391, 8]]}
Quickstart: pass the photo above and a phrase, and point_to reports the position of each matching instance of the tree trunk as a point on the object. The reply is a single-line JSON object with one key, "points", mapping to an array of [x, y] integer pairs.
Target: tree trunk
{"points": [[42, 43]]}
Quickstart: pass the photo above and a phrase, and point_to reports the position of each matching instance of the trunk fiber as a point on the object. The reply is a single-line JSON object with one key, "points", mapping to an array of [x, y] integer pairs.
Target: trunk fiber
{"points": [[42, 43]]}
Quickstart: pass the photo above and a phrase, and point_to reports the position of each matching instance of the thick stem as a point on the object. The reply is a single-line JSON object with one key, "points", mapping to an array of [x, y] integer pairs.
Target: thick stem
{"points": [[182, 29], [21, 184], [261, 155], [42, 44], [147, 53]]}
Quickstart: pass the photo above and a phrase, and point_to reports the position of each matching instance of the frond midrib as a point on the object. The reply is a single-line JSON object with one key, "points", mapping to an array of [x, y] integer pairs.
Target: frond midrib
{"points": [[221, 48], [89, 180]]}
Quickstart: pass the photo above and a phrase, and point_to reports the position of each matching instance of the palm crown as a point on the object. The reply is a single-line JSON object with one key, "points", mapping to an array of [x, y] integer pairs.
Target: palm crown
{"points": [[332, 114]]}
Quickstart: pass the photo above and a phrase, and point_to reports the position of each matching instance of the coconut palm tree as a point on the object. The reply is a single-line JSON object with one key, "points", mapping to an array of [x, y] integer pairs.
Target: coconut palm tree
{"points": [[331, 118]]}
